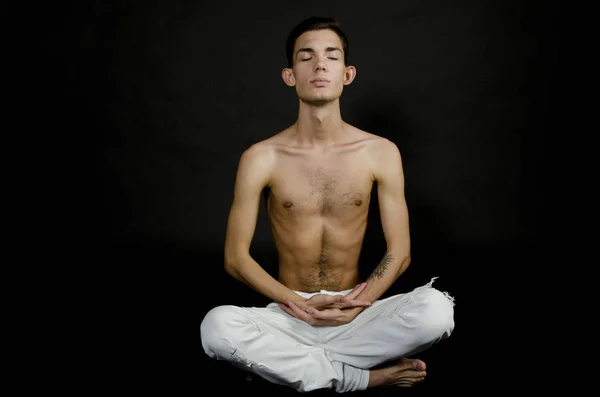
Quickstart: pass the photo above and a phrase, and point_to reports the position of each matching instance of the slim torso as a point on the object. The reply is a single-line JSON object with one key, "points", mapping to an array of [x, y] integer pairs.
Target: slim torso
{"points": [[318, 205]]}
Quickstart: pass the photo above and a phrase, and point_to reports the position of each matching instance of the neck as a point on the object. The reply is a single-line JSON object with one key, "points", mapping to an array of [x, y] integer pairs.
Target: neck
{"points": [[319, 126]]}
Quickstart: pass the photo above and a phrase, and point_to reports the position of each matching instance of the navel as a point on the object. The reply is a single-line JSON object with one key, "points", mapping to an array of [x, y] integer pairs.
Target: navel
{"points": [[288, 204]]}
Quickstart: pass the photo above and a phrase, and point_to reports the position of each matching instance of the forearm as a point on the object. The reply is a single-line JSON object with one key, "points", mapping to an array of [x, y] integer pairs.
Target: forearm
{"points": [[248, 271], [390, 267]]}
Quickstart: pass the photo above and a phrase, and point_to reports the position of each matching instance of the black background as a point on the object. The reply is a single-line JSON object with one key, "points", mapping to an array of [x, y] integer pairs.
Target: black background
{"points": [[151, 103]]}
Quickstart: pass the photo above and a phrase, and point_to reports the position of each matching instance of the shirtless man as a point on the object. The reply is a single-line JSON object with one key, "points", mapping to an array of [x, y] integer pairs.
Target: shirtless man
{"points": [[324, 328]]}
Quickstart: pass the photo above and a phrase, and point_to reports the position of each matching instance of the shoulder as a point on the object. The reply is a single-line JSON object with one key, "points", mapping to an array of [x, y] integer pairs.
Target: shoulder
{"points": [[384, 149], [383, 155], [259, 160], [378, 148], [260, 153], [267, 150]]}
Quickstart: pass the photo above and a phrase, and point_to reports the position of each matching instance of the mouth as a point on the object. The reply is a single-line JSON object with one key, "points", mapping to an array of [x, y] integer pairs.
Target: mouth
{"points": [[320, 82]]}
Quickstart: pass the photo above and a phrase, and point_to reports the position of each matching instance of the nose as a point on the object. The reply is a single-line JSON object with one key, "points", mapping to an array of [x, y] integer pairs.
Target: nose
{"points": [[320, 65]]}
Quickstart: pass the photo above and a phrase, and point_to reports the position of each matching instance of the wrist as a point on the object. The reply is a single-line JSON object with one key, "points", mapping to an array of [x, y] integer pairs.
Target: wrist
{"points": [[355, 311], [295, 298]]}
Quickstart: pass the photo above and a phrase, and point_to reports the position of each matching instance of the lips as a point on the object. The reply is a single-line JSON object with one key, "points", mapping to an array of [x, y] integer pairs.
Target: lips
{"points": [[320, 82]]}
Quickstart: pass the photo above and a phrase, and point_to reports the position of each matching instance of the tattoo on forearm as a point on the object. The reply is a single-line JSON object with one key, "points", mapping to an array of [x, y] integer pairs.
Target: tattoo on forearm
{"points": [[382, 267]]}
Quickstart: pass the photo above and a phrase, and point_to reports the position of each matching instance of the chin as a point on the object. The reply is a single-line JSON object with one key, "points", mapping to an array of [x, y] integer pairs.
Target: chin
{"points": [[319, 100]]}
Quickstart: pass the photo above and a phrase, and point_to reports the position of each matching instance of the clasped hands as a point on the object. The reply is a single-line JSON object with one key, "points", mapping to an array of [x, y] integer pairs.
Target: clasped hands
{"points": [[327, 310]]}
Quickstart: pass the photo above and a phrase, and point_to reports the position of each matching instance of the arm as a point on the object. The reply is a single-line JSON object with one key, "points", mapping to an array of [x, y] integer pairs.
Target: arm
{"points": [[252, 177], [389, 175]]}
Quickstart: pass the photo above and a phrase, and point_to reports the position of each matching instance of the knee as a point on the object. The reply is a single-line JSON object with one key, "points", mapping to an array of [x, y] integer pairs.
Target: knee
{"points": [[437, 321], [216, 331]]}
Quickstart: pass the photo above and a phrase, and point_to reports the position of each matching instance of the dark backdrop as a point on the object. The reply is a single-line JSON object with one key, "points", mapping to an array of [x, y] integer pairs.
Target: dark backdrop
{"points": [[152, 103]]}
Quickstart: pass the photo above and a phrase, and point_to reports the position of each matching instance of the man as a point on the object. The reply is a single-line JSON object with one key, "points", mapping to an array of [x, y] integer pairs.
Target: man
{"points": [[325, 328]]}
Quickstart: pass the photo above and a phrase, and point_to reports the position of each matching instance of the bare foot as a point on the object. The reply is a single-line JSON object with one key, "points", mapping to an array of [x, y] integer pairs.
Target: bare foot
{"points": [[405, 373]]}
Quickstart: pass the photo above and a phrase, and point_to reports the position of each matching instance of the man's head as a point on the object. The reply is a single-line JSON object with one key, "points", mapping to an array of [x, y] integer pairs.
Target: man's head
{"points": [[317, 53]]}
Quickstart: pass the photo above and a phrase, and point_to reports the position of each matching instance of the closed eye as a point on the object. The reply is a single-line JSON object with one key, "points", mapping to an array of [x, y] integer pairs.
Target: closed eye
{"points": [[308, 59]]}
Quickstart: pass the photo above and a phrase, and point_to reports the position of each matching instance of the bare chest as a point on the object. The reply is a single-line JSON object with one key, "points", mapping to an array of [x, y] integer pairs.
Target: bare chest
{"points": [[336, 187]]}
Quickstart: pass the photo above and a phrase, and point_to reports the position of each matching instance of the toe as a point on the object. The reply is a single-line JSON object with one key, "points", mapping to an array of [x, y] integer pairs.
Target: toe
{"points": [[419, 364]]}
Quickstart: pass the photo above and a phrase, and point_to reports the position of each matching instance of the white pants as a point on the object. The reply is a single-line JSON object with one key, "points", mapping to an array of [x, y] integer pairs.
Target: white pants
{"points": [[284, 350]]}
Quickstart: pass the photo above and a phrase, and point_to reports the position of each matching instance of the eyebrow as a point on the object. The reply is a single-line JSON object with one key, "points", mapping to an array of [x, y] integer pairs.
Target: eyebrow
{"points": [[311, 50]]}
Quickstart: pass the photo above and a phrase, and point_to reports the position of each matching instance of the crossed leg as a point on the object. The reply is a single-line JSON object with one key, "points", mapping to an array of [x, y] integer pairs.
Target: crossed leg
{"points": [[284, 350]]}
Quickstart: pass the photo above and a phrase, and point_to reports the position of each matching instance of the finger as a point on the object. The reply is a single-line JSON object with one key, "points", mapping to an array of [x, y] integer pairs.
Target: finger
{"points": [[355, 292], [331, 299], [352, 294], [327, 314], [299, 313], [346, 304], [357, 303], [327, 301], [286, 309]]}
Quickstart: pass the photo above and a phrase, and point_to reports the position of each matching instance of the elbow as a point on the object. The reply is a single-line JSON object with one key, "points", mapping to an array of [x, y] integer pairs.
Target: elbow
{"points": [[229, 265], [404, 264], [230, 270], [232, 263]]}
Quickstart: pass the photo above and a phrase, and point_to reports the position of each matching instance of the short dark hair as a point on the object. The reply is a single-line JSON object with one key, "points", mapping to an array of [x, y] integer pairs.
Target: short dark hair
{"points": [[314, 23]]}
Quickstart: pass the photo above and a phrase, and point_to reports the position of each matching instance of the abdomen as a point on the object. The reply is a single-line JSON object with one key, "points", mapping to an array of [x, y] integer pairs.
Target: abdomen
{"points": [[319, 252]]}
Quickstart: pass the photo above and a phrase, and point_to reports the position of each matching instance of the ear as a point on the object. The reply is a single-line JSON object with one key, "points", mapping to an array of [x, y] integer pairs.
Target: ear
{"points": [[350, 75], [287, 74]]}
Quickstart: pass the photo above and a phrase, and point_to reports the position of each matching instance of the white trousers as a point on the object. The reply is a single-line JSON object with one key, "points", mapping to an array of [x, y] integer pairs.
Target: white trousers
{"points": [[284, 350]]}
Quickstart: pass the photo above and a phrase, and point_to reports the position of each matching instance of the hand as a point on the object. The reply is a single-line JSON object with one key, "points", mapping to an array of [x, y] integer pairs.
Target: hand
{"points": [[328, 310], [325, 317], [325, 301]]}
